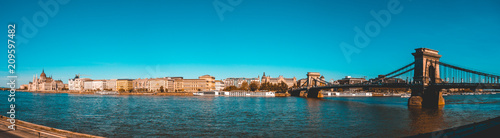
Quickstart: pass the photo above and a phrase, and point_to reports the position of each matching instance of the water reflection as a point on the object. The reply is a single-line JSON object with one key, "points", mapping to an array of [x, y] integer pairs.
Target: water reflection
{"points": [[172, 116], [424, 120]]}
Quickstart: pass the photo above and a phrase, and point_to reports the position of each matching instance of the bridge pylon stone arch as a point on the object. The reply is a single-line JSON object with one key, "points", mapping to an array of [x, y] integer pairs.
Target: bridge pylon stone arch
{"points": [[426, 66], [426, 72], [311, 79]]}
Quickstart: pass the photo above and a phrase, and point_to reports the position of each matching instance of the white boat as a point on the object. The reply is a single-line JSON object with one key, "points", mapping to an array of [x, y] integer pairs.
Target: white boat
{"points": [[106, 92], [198, 94]]}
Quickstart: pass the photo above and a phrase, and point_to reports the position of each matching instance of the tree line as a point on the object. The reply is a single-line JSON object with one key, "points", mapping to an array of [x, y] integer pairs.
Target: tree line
{"points": [[254, 86]]}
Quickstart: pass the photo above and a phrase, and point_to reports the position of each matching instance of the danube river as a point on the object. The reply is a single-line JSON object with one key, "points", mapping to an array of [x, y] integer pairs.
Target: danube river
{"points": [[157, 116]]}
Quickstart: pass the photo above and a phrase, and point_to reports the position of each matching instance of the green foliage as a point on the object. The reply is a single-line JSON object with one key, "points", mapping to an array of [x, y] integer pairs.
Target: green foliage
{"points": [[161, 89]]}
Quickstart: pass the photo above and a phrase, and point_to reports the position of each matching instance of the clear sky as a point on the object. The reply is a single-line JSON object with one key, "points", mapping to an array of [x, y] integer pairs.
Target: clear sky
{"points": [[157, 38]]}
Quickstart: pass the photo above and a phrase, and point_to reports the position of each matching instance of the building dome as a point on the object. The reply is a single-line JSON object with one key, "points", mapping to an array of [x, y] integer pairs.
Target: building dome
{"points": [[43, 74]]}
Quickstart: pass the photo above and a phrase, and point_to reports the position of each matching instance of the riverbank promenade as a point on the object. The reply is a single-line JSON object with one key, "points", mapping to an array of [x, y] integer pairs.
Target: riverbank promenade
{"points": [[30, 130]]}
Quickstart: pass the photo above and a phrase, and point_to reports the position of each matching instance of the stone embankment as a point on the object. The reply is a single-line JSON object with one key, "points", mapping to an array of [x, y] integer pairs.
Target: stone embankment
{"points": [[26, 129]]}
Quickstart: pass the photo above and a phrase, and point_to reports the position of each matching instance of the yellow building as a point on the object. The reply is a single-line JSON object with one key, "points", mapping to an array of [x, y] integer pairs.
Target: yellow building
{"points": [[211, 81], [203, 83], [124, 84], [177, 84]]}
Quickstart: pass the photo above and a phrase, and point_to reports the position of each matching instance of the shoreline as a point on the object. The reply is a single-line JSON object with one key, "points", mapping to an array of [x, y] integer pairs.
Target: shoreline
{"points": [[93, 93], [342, 94]]}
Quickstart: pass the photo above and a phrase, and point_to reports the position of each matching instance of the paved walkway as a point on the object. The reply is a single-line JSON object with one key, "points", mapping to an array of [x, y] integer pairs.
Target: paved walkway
{"points": [[26, 129]]}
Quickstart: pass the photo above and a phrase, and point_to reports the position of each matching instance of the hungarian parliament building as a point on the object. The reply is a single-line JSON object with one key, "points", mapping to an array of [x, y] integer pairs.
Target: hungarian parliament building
{"points": [[44, 83]]}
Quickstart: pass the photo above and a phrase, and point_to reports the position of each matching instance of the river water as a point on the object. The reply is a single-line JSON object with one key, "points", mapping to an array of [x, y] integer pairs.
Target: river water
{"points": [[160, 116]]}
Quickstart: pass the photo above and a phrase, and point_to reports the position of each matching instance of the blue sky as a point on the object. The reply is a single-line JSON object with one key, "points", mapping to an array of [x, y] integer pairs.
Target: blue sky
{"points": [[153, 38]]}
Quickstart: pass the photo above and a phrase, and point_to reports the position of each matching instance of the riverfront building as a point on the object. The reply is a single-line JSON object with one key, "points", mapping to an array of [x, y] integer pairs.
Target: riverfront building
{"points": [[99, 85], [76, 84], [45, 83], [211, 81], [111, 85], [203, 83], [289, 81], [88, 85], [23, 87], [219, 85], [350, 80], [238, 81], [160, 84], [141, 84], [124, 84]]}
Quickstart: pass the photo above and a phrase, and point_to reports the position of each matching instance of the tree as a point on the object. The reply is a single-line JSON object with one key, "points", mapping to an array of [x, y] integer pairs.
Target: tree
{"points": [[340, 90], [254, 86], [264, 86], [121, 90], [282, 87], [244, 86], [161, 89], [230, 88]]}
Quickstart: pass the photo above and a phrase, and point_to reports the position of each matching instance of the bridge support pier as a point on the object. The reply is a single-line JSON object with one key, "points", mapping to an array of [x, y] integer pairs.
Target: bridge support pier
{"points": [[430, 97], [309, 93], [415, 101], [314, 93]]}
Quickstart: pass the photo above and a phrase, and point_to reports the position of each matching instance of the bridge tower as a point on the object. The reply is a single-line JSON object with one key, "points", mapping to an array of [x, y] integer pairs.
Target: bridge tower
{"points": [[311, 79], [426, 66], [426, 72]]}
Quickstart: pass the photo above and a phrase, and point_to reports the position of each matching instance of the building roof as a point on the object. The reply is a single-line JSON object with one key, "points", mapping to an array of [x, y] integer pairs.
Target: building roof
{"points": [[43, 74]]}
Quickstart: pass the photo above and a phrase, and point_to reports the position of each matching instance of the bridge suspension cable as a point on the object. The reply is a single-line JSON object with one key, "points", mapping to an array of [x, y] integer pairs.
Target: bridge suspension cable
{"points": [[400, 69], [454, 74], [401, 75]]}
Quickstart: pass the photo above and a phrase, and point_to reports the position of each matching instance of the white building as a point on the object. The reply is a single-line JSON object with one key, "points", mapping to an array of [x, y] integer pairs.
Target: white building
{"points": [[111, 84], [156, 84], [76, 83], [219, 85], [238, 81], [99, 85], [88, 85]]}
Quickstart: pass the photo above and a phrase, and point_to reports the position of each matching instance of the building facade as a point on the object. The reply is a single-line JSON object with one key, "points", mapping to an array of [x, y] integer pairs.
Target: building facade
{"points": [[156, 85], [99, 85], [141, 84], [289, 81], [124, 84], [111, 85], [351, 80], [76, 84], [88, 85], [203, 83], [238, 81], [44, 83], [219, 85]]}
